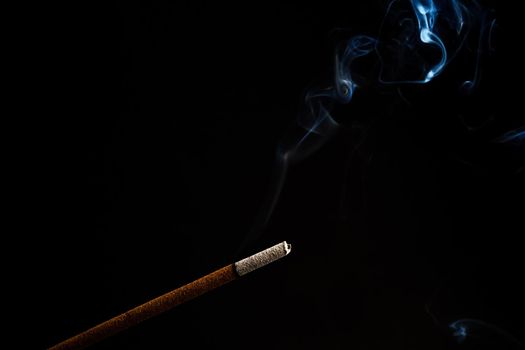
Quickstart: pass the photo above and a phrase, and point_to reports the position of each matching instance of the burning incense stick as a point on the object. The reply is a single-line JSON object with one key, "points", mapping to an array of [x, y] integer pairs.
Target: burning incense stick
{"points": [[175, 297]]}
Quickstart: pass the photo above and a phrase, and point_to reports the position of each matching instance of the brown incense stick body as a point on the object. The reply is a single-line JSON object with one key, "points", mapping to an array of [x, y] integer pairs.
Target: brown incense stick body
{"points": [[175, 297], [151, 308]]}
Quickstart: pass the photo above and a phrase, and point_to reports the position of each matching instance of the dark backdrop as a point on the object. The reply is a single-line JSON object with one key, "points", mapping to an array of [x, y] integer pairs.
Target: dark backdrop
{"points": [[407, 220]]}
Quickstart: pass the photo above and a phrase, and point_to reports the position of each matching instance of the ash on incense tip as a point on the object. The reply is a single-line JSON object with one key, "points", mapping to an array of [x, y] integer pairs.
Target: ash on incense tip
{"points": [[263, 258]]}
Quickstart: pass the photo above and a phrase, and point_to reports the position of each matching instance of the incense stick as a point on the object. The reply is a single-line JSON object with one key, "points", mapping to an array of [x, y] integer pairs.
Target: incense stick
{"points": [[176, 297]]}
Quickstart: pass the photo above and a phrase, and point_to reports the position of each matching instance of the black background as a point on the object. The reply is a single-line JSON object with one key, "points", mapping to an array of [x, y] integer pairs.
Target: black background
{"points": [[407, 220]]}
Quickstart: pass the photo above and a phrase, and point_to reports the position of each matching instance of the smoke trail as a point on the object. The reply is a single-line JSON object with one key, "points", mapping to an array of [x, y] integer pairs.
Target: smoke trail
{"points": [[516, 137], [415, 49], [313, 128], [417, 40], [471, 331], [426, 13]]}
